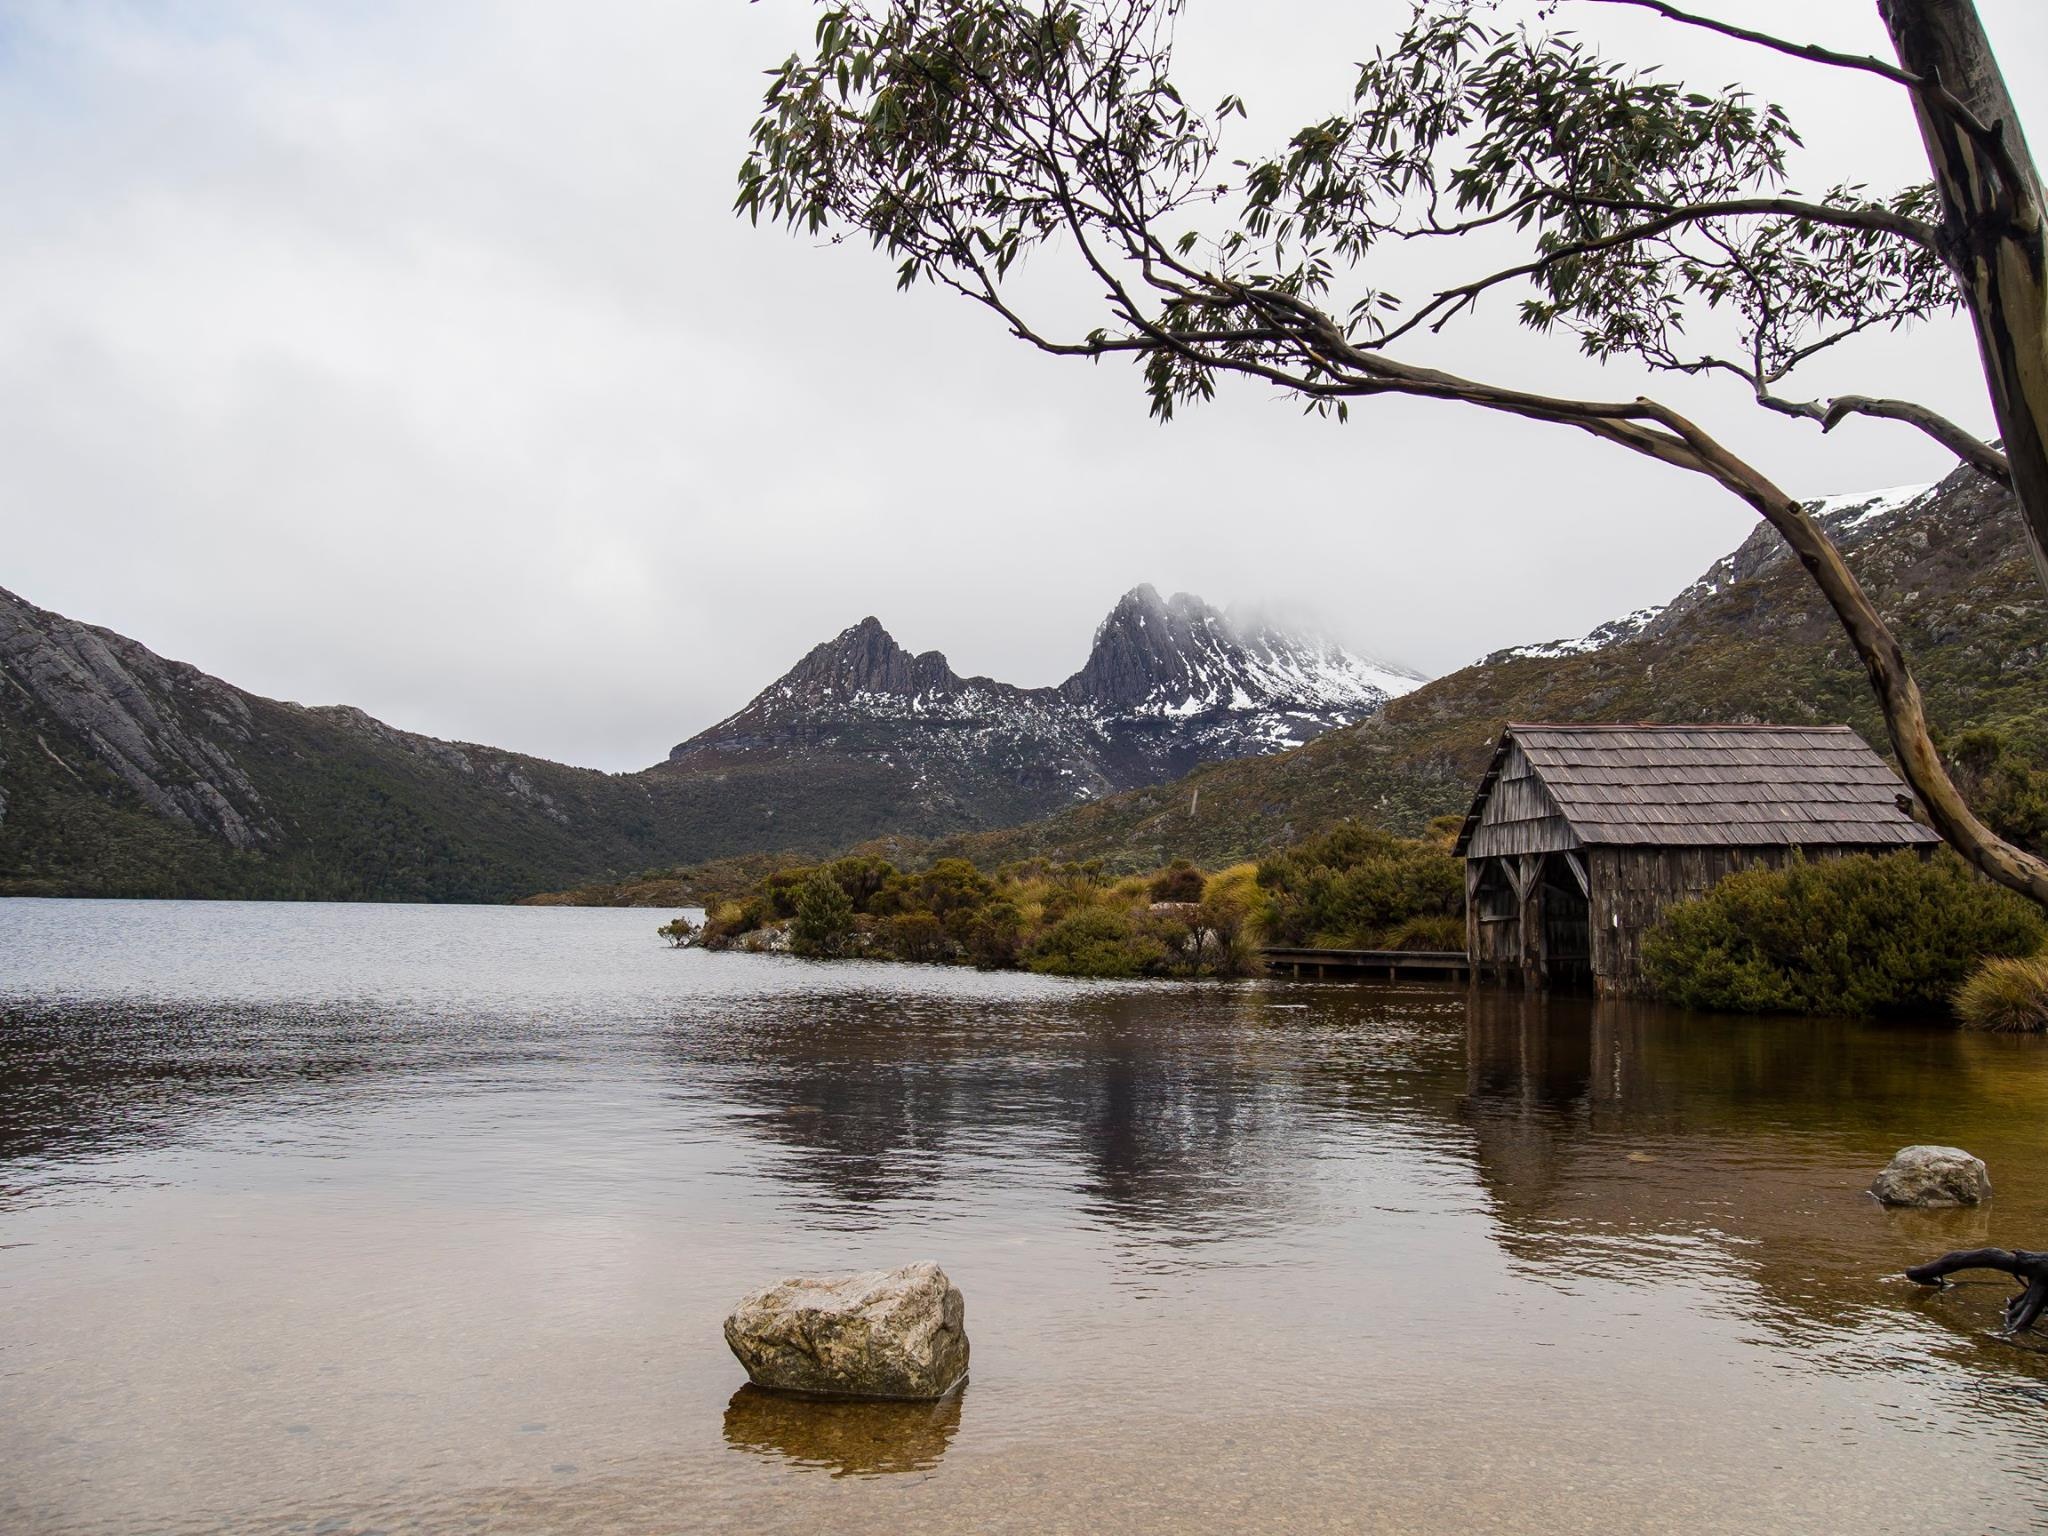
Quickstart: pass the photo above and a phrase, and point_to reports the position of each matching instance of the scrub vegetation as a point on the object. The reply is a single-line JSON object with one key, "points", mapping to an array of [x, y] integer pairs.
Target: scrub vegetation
{"points": [[1355, 887], [1865, 935], [2006, 995]]}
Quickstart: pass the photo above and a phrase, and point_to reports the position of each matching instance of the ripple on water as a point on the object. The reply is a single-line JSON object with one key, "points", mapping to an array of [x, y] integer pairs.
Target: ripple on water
{"points": [[426, 1218]]}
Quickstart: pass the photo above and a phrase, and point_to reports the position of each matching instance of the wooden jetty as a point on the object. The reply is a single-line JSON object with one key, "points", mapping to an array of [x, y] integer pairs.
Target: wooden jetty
{"points": [[1369, 964]]}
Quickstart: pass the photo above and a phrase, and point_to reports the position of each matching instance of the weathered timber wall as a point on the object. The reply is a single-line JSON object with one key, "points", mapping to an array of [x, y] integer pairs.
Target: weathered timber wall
{"points": [[1634, 887], [1520, 815]]}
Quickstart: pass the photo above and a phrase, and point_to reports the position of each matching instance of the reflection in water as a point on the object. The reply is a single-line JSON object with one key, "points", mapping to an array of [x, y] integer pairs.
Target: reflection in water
{"points": [[851, 1439], [427, 1219], [1181, 1114], [1632, 1144]]}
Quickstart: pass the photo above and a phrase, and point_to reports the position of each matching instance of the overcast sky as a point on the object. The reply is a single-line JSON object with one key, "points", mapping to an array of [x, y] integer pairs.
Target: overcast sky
{"points": [[406, 355]]}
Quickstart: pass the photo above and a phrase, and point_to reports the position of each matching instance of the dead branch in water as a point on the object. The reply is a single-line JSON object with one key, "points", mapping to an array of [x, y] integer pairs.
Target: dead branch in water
{"points": [[2022, 1310]]}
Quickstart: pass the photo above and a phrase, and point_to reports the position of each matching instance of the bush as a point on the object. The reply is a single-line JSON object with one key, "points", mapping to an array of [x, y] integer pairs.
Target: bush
{"points": [[1180, 881], [917, 937], [2003, 784], [862, 877], [1862, 935], [824, 917], [2008, 995], [1428, 932], [729, 920], [950, 885], [1094, 941], [1351, 888], [677, 931], [996, 936]]}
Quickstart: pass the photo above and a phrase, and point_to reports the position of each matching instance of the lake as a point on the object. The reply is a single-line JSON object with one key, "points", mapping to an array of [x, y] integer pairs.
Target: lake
{"points": [[341, 1219]]}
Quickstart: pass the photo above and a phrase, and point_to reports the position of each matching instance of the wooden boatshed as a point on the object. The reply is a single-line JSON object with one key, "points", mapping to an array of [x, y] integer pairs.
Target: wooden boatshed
{"points": [[1581, 836]]}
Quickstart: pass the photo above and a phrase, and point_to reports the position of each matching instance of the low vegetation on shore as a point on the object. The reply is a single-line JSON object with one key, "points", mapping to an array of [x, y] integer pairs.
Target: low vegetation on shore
{"points": [[1864, 935], [1869, 936], [1355, 887]]}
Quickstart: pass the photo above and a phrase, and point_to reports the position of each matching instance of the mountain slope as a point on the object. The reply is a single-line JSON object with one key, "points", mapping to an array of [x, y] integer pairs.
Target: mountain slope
{"points": [[1751, 640], [123, 773]]}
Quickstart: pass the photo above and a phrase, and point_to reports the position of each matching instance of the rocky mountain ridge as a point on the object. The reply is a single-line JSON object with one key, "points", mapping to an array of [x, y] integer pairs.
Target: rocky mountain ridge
{"points": [[1750, 640], [1168, 684], [124, 773]]}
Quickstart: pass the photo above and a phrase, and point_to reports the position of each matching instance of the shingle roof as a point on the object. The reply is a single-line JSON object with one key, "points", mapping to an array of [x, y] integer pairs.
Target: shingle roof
{"points": [[1714, 785]]}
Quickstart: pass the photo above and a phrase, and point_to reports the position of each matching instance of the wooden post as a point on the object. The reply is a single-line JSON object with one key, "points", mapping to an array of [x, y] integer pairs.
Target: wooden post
{"points": [[1535, 947], [1472, 945]]}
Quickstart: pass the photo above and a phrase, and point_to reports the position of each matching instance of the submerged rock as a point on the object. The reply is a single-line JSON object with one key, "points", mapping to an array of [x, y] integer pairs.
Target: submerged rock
{"points": [[1933, 1176], [883, 1333]]}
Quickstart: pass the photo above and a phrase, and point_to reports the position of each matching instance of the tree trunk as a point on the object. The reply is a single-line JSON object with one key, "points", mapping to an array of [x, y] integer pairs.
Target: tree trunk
{"points": [[1993, 226], [1905, 712]]}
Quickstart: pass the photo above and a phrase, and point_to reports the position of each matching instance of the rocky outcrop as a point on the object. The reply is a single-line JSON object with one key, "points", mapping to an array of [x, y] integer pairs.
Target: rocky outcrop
{"points": [[1933, 1176], [867, 660], [151, 723], [881, 1333]]}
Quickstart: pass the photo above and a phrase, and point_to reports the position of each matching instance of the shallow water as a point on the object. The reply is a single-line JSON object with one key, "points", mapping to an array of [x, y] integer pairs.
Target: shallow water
{"points": [[347, 1219]]}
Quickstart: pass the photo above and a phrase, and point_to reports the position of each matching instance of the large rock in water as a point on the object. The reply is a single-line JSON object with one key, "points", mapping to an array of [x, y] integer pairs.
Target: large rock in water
{"points": [[892, 1333], [1933, 1176]]}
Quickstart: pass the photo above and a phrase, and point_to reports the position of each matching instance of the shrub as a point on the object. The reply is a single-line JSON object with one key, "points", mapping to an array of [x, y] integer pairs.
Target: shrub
{"points": [[2003, 784], [1179, 881], [862, 877], [780, 890], [1427, 931], [1094, 941], [1857, 935], [824, 917], [950, 885], [996, 936], [1229, 947], [677, 931], [2010, 995], [727, 921], [1240, 886], [1348, 888], [917, 937]]}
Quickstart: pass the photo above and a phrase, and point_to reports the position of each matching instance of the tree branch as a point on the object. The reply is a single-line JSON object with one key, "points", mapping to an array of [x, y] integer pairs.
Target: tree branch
{"points": [[1830, 414], [1812, 52], [2023, 1310], [1967, 446], [1988, 137], [1867, 217], [1440, 309]]}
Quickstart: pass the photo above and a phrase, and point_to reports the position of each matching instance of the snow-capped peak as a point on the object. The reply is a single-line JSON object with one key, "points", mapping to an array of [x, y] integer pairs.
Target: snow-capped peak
{"points": [[1853, 510]]}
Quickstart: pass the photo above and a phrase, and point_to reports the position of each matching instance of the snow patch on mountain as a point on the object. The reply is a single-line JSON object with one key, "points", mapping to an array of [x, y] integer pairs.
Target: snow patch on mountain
{"points": [[1849, 519], [1838, 513], [1169, 684], [1613, 632]]}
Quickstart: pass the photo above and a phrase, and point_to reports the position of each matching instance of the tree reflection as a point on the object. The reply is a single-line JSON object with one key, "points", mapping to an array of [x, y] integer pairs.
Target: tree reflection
{"points": [[1634, 1144], [1163, 1109]]}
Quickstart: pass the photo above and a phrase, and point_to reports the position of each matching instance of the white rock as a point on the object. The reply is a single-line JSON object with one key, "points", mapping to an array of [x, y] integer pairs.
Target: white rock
{"points": [[890, 1333], [1933, 1176]]}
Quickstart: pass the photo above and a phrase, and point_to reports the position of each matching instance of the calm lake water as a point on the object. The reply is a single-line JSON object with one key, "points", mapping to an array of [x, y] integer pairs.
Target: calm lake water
{"points": [[344, 1219]]}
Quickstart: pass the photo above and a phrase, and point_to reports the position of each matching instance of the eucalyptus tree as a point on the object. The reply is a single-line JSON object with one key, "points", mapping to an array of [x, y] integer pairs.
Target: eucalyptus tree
{"points": [[1616, 206]]}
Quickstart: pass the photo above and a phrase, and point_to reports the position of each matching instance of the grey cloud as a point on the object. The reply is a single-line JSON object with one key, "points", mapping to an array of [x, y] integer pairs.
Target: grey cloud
{"points": [[408, 357]]}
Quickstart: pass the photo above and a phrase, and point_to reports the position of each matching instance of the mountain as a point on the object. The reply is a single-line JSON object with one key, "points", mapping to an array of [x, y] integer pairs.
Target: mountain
{"points": [[1169, 684], [124, 773], [1751, 640]]}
